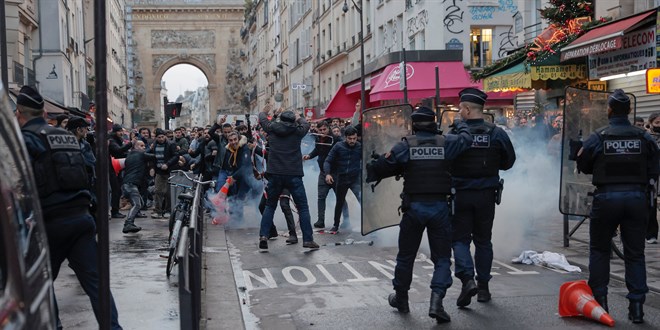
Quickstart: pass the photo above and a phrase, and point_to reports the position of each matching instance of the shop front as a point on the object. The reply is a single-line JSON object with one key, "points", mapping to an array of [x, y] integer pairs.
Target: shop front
{"points": [[619, 54]]}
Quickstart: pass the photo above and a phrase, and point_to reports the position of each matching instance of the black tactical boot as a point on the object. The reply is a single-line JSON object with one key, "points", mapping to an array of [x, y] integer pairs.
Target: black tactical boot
{"points": [[436, 310], [483, 295], [602, 301], [130, 227], [468, 291], [399, 300], [636, 311]]}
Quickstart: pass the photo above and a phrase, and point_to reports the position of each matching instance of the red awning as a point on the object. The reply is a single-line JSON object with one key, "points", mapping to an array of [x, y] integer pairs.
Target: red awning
{"points": [[370, 82], [341, 105], [421, 83], [603, 38]]}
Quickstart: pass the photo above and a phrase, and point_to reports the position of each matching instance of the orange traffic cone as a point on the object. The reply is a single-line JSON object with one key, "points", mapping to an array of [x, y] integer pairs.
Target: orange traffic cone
{"points": [[225, 188], [576, 298], [118, 164]]}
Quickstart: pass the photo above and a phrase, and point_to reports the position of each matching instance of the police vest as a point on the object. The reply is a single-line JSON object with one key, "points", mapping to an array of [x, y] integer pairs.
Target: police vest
{"points": [[427, 171], [483, 158], [623, 159], [59, 171]]}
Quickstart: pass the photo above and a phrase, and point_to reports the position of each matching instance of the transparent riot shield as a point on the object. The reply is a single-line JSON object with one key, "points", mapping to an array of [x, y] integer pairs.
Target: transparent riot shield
{"points": [[584, 112], [382, 128], [447, 118]]}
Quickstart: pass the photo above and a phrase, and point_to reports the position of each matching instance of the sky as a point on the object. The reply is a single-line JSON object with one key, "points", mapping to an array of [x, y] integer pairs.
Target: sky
{"points": [[182, 77]]}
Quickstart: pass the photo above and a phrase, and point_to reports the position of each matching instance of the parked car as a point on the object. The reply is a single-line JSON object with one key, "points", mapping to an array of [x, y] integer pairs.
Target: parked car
{"points": [[26, 285]]}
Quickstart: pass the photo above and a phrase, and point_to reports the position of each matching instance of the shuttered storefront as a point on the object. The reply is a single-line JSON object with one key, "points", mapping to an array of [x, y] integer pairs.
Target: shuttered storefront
{"points": [[646, 103]]}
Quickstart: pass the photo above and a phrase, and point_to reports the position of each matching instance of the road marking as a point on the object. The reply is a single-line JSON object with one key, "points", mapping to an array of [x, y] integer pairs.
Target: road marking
{"points": [[327, 275], [515, 271], [268, 281], [358, 276], [310, 278]]}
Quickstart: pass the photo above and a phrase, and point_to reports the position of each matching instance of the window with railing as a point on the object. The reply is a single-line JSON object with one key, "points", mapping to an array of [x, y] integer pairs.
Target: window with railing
{"points": [[19, 74]]}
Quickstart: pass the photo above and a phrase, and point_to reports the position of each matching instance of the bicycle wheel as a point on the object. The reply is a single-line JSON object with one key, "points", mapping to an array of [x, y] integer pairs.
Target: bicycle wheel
{"points": [[173, 247], [617, 244]]}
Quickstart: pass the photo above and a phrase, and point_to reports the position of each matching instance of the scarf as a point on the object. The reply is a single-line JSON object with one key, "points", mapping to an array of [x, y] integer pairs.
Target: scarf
{"points": [[233, 155]]}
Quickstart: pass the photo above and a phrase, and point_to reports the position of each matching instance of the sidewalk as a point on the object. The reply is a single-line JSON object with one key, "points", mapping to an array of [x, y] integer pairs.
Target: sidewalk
{"points": [[577, 253], [221, 305]]}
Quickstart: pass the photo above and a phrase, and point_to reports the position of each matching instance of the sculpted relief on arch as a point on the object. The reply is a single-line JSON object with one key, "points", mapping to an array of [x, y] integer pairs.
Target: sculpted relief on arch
{"points": [[208, 59], [177, 39]]}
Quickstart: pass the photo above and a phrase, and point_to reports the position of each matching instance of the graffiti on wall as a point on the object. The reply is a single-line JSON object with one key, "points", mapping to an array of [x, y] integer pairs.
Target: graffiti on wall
{"points": [[508, 41], [453, 16], [480, 13], [417, 23]]}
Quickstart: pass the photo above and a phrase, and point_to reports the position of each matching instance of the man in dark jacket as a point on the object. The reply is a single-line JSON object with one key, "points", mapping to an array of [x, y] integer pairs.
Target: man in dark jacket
{"points": [[118, 150], [342, 169], [135, 170], [324, 142], [166, 159], [285, 170]]}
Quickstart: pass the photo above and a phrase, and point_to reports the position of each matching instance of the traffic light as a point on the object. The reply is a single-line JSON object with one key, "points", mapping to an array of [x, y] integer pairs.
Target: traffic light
{"points": [[173, 110]]}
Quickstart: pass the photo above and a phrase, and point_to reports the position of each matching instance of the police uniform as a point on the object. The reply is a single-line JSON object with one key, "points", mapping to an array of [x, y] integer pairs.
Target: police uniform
{"points": [[63, 187], [475, 176], [423, 160], [623, 159]]}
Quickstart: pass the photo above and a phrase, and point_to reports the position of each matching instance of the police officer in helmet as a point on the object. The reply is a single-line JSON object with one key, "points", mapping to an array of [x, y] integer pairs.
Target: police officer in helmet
{"points": [[423, 161], [624, 162], [475, 176], [63, 187]]}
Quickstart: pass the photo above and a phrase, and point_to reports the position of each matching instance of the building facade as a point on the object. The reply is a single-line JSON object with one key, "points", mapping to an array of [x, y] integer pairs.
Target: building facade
{"points": [[22, 32], [59, 55]]}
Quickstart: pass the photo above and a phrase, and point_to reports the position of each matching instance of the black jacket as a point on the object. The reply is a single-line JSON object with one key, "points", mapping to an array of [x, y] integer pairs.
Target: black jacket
{"points": [[135, 168], [322, 148], [284, 139]]}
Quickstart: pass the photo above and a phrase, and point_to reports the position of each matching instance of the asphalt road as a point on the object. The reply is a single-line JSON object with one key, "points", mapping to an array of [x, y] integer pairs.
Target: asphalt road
{"points": [[345, 287]]}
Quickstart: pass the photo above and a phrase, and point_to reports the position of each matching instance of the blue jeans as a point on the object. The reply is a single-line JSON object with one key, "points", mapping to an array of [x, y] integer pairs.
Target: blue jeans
{"points": [[73, 238], [473, 222], [133, 193], [629, 212], [276, 184], [434, 217]]}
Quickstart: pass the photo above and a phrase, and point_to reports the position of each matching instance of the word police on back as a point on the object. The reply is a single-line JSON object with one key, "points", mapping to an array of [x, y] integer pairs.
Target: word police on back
{"points": [[480, 141], [63, 141], [623, 147], [423, 153]]}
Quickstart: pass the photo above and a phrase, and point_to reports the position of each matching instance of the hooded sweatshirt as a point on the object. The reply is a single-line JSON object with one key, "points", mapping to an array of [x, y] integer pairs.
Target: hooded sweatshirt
{"points": [[284, 139]]}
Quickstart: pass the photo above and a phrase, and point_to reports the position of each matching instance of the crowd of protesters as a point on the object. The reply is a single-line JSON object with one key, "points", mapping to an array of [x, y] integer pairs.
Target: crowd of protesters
{"points": [[142, 160]]}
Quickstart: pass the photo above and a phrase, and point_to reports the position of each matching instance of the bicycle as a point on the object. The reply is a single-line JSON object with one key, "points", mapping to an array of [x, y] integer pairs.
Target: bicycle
{"points": [[180, 216]]}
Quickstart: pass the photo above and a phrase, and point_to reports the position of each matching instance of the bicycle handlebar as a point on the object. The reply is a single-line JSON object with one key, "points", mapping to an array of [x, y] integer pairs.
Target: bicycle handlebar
{"points": [[212, 182]]}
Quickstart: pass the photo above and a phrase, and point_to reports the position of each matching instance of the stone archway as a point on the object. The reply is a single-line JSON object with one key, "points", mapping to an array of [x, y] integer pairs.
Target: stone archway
{"points": [[161, 36]]}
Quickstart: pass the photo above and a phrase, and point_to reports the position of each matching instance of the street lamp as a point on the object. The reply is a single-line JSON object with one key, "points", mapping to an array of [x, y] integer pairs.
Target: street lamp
{"points": [[362, 87]]}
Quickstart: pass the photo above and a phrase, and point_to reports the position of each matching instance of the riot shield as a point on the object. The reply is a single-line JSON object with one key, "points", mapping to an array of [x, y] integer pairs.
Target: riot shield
{"points": [[584, 112], [382, 128], [447, 118]]}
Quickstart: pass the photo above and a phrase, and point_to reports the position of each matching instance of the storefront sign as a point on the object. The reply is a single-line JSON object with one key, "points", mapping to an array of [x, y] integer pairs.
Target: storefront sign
{"points": [[508, 82], [638, 52], [554, 72], [653, 80], [591, 49], [597, 85]]}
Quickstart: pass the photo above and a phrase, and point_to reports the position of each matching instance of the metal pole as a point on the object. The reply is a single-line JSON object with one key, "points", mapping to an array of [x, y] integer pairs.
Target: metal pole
{"points": [[405, 79], [102, 163], [437, 93], [3, 46], [362, 87]]}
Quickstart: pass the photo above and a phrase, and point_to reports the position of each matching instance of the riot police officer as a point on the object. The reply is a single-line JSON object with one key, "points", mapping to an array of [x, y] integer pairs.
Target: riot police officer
{"points": [[624, 162], [63, 187], [475, 176], [423, 160]]}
